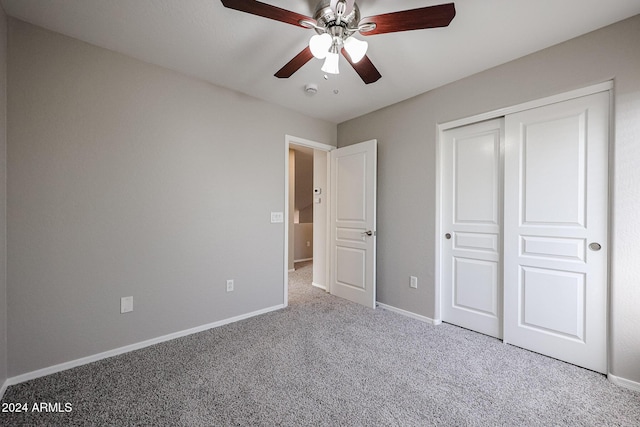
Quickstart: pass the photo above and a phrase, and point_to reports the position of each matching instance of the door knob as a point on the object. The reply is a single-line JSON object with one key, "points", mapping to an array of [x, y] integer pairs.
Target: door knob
{"points": [[447, 236], [595, 246], [367, 233]]}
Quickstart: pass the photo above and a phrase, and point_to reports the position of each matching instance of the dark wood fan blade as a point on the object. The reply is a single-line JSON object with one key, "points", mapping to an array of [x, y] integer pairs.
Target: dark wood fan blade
{"points": [[295, 64], [414, 19], [365, 68], [266, 10]]}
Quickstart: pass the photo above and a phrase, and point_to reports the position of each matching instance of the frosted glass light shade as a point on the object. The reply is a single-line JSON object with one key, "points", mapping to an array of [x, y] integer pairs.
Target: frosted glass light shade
{"points": [[331, 63], [320, 44], [356, 49]]}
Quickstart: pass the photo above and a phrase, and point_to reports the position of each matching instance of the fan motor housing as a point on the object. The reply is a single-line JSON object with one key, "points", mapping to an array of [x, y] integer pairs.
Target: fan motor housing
{"points": [[326, 18]]}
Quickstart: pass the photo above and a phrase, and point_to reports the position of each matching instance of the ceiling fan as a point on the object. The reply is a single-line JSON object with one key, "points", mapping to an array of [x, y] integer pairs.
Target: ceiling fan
{"points": [[335, 22]]}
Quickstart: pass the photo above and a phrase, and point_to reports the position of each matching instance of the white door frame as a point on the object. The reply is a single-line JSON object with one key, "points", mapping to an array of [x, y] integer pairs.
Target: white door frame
{"points": [[288, 141], [441, 127]]}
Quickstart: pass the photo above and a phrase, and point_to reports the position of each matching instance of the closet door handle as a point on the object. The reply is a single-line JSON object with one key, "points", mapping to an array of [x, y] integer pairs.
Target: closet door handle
{"points": [[595, 246], [447, 236]]}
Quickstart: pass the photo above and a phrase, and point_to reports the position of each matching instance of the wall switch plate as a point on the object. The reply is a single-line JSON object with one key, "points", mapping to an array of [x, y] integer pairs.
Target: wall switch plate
{"points": [[126, 304], [277, 217], [229, 285], [414, 282]]}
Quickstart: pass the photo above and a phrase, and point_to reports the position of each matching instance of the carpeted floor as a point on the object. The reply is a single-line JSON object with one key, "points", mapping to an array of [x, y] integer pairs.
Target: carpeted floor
{"points": [[325, 361]]}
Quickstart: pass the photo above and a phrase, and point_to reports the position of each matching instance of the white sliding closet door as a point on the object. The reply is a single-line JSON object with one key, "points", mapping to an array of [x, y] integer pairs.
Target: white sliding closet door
{"points": [[555, 230], [471, 224]]}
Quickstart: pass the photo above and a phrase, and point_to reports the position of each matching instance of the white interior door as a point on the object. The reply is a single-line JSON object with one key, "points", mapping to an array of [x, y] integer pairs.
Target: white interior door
{"points": [[555, 246], [353, 222], [471, 224]]}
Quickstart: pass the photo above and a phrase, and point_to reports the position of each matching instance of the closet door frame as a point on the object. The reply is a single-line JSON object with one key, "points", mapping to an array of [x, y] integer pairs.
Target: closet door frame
{"points": [[589, 90]]}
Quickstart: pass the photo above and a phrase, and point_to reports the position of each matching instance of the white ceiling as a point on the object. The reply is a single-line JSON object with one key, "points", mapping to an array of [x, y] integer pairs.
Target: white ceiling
{"points": [[240, 51]]}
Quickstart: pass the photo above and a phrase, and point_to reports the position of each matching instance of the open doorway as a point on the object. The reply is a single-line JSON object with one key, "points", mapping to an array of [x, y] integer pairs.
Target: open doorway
{"points": [[301, 197], [306, 213]]}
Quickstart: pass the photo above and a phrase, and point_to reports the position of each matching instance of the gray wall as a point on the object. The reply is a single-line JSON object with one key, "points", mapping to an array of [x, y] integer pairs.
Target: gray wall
{"points": [[3, 196], [128, 179], [406, 134], [301, 204], [303, 234], [304, 186]]}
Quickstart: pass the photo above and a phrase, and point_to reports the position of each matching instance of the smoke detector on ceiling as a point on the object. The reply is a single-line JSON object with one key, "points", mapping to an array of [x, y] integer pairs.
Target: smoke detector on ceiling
{"points": [[311, 89]]}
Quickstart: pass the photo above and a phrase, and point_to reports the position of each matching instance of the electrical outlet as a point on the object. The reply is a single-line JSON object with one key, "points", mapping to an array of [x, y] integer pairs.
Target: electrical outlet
{"points": [[414, 282], [126, 304], [229, 285]]}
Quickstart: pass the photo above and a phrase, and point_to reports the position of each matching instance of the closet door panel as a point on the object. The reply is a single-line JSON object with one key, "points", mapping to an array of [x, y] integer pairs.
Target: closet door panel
{"points": [[555, 230], [472, 215]]}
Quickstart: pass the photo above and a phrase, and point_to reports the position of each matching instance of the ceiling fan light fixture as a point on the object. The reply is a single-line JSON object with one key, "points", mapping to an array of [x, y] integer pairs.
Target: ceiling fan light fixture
{"points": [[356, 49], [331, 63], [338, 20], [320, 45]]}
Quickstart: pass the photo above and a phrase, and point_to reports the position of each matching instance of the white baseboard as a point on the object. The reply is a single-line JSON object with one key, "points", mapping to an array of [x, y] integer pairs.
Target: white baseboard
{"points": [[3, 388], [409, 314], [623, 382], [126, 349], [314, 284], [303, 260]]}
